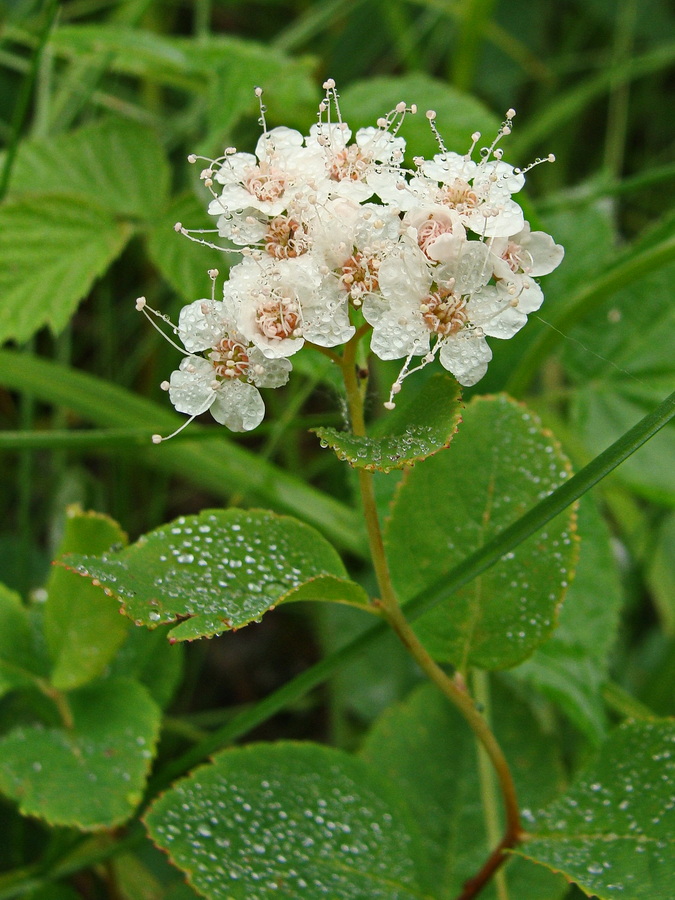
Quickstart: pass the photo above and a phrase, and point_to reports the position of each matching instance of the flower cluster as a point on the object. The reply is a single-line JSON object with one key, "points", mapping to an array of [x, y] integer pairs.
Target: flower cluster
{"points": [[338, 238]]}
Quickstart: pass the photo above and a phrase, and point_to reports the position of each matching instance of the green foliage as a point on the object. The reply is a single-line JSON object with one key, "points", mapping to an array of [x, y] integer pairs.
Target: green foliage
{"points": [[219, 570], [500, 464], [418, 429], [19, 663], [459, 115], [630, 368], [89, 773], [59, 244], [571, 667], [83, 628], [99, 108], [441, 792], [613, 832], [287, 816]]}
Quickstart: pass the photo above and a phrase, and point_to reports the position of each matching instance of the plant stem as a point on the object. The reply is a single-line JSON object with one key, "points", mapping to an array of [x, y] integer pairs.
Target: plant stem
{"points": [[480, 682], [60, 701], [454, 689]]}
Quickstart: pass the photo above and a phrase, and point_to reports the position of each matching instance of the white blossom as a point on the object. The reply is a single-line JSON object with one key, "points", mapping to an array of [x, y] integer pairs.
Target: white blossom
{"points": [[337, 234]]}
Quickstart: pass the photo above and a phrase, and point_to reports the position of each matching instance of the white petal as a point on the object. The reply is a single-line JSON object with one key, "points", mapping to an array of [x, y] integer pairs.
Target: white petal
{"points": [[531, 297], [238, 405], [191, 388], [465, 355], [274, 372], [491, 309], [395, 337], [545, 253], [201, 325], [405, 277], [508, 219], [278, 140], [234, 167], [465, 261], [328, 325]]}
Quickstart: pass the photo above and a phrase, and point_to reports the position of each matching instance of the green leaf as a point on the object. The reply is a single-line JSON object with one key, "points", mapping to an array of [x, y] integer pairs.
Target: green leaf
{"points": [[613, 833], [499, 465], [17, 652], [459, 115], [83, 627], [148, 657], [622, 363], [571, 667], [601, 414], [116, 165], [290, 819], [422, 426], [661, 573], [181, 262], [52, 248], [236, 67], [54, 892], [220, 570], [197, 65], [90, 776], [410, 745]]}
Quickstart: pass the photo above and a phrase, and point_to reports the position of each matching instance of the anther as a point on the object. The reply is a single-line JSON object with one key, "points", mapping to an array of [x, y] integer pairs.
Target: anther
{"points": [[140, 303]]}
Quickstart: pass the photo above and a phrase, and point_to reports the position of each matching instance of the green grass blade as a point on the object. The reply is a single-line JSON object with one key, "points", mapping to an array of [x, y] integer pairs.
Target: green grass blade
{"points": [[571, 104], [462, 574], [217, 464]]}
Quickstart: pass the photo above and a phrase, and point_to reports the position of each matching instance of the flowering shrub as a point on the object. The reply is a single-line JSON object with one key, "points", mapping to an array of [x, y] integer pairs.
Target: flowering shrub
{"points": [[470, 551], [340, 238]]}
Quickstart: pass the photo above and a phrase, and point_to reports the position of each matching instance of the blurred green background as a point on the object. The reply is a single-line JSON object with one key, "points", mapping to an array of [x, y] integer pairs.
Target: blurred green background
{"points": [[100, 104]]}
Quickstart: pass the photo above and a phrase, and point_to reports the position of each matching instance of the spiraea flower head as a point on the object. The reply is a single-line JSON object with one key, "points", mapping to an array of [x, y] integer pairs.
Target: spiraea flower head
{"points": [[223, 369], [337, 236]]}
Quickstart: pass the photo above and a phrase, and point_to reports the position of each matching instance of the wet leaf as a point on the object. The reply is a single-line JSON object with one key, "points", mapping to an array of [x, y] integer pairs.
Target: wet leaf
{"points": [[220, 570], [90, 776], [423, 425], [571, 667], [83, 627], [17, 651], [289, 820], [613, 833], [425, 748], [500, 464]]}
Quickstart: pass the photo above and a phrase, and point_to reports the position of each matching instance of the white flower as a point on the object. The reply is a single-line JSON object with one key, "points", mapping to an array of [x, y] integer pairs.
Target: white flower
{"points": [[225, 380], [282, 170], [350, 241], [333, 229], [518, 259], [278, 306], [449, 303]]}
